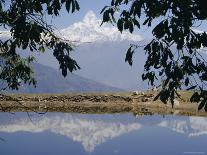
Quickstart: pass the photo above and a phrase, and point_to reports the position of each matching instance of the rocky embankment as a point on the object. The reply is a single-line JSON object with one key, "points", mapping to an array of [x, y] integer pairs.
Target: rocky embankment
{"points": [[137, 103], [73, 98]]}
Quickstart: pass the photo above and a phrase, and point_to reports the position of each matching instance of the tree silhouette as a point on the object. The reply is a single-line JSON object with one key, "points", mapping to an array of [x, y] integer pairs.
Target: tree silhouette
{"points": [[29, 31], [174, 53]]}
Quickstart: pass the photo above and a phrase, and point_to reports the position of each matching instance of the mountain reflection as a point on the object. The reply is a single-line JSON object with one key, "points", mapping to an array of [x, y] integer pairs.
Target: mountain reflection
{"points": [[90, 130], [192, 126]]}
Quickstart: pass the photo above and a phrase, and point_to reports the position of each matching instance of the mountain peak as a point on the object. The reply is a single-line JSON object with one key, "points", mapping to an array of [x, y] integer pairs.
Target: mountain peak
{"points": [[90, 30], [90, 17]]}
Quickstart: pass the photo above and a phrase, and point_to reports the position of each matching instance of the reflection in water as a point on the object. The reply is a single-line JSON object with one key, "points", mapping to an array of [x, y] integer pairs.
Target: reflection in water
{"points": [[89, 133], [93, 130], [193, 126]]}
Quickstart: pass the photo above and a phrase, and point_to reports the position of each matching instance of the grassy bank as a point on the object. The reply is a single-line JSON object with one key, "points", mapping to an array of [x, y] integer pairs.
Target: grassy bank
{"points": [[138, 104]]}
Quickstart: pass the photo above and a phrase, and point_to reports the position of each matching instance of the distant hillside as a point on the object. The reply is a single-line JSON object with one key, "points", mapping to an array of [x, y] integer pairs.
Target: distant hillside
{"points": [[50, 80], [100, 51]]}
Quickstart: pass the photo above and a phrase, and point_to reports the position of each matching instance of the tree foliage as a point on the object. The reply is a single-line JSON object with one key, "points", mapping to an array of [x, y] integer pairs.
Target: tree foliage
{"points": [[174, 53], [26, 21]]}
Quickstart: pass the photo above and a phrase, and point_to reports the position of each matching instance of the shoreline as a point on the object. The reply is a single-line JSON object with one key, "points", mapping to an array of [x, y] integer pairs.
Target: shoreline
{"points": [[95, 103]]}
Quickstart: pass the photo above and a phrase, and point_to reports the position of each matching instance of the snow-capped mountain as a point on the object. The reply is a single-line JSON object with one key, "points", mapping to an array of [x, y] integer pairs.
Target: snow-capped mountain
{"points": [[5, 34], [101, 56], [90, 30]]}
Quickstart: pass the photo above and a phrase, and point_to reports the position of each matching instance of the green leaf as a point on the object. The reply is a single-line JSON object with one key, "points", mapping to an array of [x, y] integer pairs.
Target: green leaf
{"points": [[41, 49]]}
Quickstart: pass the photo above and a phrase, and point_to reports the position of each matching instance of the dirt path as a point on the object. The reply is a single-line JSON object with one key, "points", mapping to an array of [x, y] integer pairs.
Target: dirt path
{"points": [[138, 104]]}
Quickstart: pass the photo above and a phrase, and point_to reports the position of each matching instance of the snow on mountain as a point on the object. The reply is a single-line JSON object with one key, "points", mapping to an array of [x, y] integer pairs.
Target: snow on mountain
{"points": [[89, 30], [5, 34]]}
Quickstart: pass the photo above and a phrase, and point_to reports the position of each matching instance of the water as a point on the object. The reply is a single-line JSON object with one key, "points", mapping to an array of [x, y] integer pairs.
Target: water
{"points": [[101, 134]]}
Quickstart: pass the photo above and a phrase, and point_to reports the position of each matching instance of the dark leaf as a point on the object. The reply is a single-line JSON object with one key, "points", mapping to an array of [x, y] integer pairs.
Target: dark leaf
{"points": [[156, 97], [202, 104], [136, 23], [172, 98], [120, 25], [186, 81], [129, 55], [195, 97], [104, 9], [77, 6], [67, 5], [205, 108], [165, 94], [193, 87]]}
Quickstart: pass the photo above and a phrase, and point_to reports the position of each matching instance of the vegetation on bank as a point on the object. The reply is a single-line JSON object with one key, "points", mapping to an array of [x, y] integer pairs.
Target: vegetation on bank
{"points": [[138, 104]]}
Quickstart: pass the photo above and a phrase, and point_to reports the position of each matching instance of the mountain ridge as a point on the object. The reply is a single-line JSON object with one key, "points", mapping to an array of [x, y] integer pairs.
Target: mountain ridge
{"points": [[50, 80]]}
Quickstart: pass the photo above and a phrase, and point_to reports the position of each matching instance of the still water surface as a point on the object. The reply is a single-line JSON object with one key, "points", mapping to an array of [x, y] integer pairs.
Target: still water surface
{"points": [[101, 134]]}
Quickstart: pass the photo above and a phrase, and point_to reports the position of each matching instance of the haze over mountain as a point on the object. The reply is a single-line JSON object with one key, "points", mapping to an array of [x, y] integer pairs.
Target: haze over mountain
{"points": [[50, 80]]}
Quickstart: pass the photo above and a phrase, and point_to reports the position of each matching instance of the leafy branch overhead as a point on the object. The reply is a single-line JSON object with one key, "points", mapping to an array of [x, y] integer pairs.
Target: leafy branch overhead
{"points": [[26, 21], [175, 53]]}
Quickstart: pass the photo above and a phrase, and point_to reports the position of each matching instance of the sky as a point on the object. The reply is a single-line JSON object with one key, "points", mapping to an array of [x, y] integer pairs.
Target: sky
{"points": [[66, 19]]}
